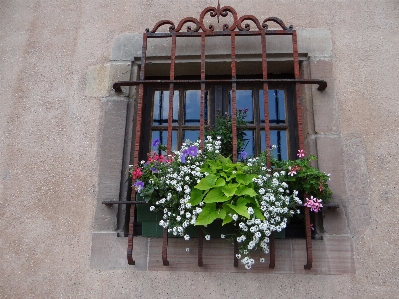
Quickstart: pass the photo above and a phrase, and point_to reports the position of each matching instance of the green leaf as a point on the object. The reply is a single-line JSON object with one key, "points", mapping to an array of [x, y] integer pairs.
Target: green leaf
{"points": [[207, 182], [215, 195], [222, 213], [258, 214], [207, 215], [227, 219], [196, 196], [240, 210], [220, 182], [230, 189], [244, 190]]}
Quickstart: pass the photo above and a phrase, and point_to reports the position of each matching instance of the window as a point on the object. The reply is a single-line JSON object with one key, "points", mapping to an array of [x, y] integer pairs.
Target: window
{"points": [[282, 124]]}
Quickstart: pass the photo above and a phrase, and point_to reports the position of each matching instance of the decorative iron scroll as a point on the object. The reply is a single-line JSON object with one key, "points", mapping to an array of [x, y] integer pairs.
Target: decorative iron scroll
{"points": [[220, 12]]}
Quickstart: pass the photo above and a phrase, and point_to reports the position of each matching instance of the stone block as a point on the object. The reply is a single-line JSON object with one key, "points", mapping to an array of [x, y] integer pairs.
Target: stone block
{"points": [[330, 160], [110, 165]]}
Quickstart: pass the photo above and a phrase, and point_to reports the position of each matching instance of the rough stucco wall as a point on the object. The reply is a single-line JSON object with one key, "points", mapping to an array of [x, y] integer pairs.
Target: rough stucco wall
{"points": [[49, 132]]}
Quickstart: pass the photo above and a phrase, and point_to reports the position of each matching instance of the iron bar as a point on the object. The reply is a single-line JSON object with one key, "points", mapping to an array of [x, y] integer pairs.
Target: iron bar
{"points": [[322, 84], [234, 96]]}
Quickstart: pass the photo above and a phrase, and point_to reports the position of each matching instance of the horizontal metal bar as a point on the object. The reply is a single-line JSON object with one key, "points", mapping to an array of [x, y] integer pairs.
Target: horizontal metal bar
{"points": [[117, 202], [322, 84], [218, 33]]}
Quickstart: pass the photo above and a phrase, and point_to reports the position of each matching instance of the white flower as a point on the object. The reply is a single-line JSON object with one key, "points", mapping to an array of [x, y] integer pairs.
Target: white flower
{"points": [[250, 210], [207, 237], [262, 260], [235, 217], [238, 256], [186, 237], [222, 236], [152, 208]]}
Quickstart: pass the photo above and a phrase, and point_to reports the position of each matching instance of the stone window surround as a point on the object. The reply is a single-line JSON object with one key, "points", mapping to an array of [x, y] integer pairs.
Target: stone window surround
{"points": [[321, 122]]}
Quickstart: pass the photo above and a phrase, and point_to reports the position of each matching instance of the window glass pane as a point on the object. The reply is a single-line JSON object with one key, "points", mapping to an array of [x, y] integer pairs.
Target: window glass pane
{"points": [[163, 137], [161, 107], [192, 106], [278, 138], [192, 135], [249, 143], [276, 106], [244, 101]]}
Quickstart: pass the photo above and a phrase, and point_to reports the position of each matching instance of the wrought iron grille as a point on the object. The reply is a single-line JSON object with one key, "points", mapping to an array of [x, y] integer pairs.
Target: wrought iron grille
{"points": [[238, 28]]}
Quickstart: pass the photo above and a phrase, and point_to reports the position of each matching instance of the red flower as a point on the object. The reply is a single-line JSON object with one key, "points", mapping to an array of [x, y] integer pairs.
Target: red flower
{"points": [[137, 174]]}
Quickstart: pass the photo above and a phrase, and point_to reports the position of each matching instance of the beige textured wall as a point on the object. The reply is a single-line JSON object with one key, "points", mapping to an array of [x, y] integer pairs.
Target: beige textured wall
{"points": [[49, 134]]}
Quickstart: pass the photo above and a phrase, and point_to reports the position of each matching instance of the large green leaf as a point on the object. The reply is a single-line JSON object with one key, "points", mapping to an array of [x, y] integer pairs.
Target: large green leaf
{"points": [[196, 196], [207, 215], [230, 189], [244, 190], [240, 210], [207, 182], [220, 182], [215, 195]]}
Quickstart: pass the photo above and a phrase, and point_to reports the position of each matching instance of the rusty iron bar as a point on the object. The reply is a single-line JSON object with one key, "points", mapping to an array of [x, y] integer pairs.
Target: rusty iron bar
{"points": [[309, 255], [202, 108], [136, 150], [272, 251], [200, 246], [234, 96], [235, 251], [322, 84]]}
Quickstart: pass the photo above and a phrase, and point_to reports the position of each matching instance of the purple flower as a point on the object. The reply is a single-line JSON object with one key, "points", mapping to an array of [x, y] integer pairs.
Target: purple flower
{"points": [[154, 170], [243, 155], [183, 158], [139, 185], [156, 142], [192, 151]]}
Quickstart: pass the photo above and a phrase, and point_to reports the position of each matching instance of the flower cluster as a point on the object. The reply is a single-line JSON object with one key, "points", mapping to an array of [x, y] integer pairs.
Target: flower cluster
{"points": [[166, 182], [277, 204], [313, 203]]}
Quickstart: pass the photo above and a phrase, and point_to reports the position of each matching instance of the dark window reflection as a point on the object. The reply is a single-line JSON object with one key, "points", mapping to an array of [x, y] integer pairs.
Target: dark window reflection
{"points": [[163, 137], [192, 107], [279, 139], [192, 135], [161, 107], [276, 106], [244, 100]]}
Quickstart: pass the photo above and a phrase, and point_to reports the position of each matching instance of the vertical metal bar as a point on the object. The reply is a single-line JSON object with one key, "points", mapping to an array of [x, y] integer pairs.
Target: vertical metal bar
{"points": [[202, 108], [234, 95], [265, 95], [298, 92], [200, 246], [301, 140], [309, 255], [272, 248], [171, 93], [136, 150], [236, 251], [169, 145]]}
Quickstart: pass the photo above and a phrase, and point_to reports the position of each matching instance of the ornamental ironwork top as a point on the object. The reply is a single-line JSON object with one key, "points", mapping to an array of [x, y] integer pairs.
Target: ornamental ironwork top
{"points": [[238, 23]]}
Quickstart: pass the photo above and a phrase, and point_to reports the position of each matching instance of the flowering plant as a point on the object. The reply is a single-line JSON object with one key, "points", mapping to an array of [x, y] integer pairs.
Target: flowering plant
{"points": [[194, 187], [166, 182]]}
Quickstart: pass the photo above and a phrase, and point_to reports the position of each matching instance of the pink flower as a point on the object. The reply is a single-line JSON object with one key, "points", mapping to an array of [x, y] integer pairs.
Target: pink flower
{"points": [[293, 170], [301, 153], [314, 204]]}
